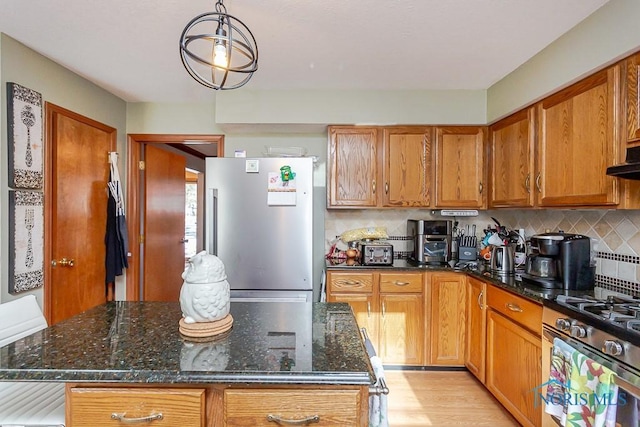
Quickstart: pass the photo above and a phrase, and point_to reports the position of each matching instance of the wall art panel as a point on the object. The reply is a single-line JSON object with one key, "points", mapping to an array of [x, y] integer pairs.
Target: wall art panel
{"points": [[25, 137]]}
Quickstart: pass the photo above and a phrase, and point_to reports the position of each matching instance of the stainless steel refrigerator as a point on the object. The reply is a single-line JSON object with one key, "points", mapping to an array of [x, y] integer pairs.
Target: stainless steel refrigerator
{"points": [[259, 222]]}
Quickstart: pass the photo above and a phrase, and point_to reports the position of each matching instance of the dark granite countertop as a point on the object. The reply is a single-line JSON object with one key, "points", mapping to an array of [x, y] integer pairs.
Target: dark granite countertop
{"points": [[511, 283], [139, 342]]}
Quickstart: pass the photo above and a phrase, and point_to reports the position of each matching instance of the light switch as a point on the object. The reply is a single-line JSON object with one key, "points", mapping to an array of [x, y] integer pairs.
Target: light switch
{"points": [[252, 166]]}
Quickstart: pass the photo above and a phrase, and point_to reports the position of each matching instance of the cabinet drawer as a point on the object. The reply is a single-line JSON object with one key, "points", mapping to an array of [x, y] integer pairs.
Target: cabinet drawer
{"points": [[401, 282], [349, 282], [519, 309], [264, 406], [94, 407]]}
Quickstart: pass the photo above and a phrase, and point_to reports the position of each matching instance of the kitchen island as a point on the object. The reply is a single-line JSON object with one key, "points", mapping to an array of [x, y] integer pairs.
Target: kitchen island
{"points": [[281, 362]]}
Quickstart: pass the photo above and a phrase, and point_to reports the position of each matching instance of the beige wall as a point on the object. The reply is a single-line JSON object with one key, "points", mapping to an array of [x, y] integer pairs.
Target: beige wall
{"points": [[59, 86], [601, 39]]}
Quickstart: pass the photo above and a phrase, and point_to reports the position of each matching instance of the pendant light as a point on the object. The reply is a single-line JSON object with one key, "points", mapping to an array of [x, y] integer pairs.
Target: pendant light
{"points": [[218, 50]]}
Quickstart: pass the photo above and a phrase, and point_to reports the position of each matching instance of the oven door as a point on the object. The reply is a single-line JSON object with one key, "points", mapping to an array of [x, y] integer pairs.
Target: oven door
{"points": [[628, 382]]}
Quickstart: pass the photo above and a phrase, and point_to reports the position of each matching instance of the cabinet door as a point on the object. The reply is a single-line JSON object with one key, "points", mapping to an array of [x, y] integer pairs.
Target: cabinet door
{"points": [[406, 172], [577, 143], [365, 310], [401, 329], [352, 167], [632, 100], [511, 163], [476, 328], [514, 367], [460, 167], [448, 298]]}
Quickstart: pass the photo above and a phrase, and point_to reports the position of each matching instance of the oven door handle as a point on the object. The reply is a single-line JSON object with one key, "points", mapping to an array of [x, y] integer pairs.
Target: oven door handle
{"points": [[630, 388]]}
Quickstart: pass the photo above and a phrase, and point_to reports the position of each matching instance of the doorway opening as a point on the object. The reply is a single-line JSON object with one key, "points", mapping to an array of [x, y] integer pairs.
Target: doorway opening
{"points": [[192, 207], [196, 147]]}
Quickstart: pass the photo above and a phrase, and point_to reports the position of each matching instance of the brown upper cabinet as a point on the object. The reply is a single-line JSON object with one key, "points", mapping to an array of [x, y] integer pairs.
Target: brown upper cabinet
{"points": [[511, 160], [577, 142], [406, 172], [352, 167], [633, 102], [371, 167], [555, 153], [459, 164]]}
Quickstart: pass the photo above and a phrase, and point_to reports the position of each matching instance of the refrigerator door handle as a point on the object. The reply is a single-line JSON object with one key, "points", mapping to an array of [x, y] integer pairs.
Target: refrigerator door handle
{"points": [[212, 221]]}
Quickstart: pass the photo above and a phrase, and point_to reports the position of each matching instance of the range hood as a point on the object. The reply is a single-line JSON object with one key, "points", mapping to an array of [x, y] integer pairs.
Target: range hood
{"points": [[630, 169]]}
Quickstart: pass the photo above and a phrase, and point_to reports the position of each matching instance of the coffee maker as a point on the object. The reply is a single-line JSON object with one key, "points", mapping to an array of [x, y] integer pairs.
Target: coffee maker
{"points": [[430, 241], [560, 261]]}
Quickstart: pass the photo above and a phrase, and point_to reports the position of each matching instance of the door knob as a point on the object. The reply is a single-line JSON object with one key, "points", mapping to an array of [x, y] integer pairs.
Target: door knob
{"points": [[64, 262]]}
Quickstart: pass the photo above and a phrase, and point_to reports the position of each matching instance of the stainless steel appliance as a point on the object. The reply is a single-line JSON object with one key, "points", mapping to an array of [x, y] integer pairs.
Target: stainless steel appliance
{"points": [[259, 222], [376, 252], [607, 331], [559, 260], [430, 241], [502, 260]]}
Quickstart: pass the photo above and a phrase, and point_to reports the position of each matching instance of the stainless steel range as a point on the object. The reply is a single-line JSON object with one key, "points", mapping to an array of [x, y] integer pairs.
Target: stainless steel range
{"points": [[607, 331]]}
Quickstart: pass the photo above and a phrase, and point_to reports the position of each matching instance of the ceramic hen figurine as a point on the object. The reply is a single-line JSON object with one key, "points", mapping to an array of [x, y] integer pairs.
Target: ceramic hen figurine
{"points": [[204, 296]]}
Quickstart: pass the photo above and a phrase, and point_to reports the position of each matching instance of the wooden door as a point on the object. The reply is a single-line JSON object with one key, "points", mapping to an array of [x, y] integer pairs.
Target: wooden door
{"points": [[460, 167], [514, 367], [352, 167], [406, 172], [577, 143], [511, 162], [76, 196], [164, 211], [448, 297], [476, 328]]}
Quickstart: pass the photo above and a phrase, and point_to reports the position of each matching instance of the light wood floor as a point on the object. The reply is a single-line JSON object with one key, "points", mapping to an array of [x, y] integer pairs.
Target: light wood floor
{"points": [[442, 398]]}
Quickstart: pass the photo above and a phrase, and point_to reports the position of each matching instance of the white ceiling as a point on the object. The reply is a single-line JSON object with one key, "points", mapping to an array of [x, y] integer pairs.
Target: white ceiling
{"points": [[130, 47]]}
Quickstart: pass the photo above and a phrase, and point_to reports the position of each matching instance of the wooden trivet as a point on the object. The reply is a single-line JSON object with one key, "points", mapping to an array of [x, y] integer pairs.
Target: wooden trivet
{"points": [[206, 329]]}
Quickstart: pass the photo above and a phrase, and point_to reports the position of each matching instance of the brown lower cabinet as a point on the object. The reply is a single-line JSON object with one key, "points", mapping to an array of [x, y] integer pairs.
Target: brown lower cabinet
{"points": [[390, 305], [215, 405], [447, 320], [514, 352], [476, 328]]}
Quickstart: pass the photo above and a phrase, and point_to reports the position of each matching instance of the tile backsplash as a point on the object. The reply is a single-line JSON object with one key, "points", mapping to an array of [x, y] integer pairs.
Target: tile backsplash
{"points": [[615, 234]]}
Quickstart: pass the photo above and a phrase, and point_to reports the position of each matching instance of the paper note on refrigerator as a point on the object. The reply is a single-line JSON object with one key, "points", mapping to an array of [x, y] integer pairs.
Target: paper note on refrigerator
{"points": [[279, 192]]}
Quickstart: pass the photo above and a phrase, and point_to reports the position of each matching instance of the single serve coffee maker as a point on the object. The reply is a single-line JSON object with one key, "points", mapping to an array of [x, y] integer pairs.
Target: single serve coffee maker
{"points": [[560, 261]]}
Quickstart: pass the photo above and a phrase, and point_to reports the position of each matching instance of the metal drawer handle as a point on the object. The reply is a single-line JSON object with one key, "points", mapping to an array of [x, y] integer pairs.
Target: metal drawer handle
{"points": [[527, 183], [398, 283], [123, 418], [374, 186], [351, 282], [301, 422], [514, 307], [368, 308], [538, 183], [480, 299]]}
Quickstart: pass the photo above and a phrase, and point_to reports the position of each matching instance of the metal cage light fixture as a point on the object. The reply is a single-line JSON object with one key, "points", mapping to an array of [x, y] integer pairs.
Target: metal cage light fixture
{"points": [[218, 50]]}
